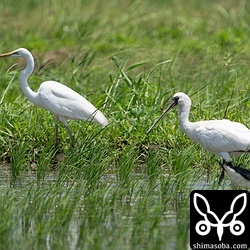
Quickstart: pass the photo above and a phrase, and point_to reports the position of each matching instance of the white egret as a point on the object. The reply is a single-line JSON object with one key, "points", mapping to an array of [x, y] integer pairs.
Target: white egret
{"points": [[57, 98], [221, 137], [239, 176]]}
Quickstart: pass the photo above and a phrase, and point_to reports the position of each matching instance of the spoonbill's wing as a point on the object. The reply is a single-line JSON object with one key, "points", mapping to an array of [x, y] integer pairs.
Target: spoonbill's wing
{"points": [[223, 136]]}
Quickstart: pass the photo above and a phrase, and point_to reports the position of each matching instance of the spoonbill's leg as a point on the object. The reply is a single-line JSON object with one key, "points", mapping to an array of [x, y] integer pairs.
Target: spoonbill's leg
{"points": [[222, 175], [225, 156]]}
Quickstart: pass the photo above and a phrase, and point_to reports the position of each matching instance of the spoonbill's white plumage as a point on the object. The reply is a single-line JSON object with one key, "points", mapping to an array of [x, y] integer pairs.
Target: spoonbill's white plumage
{"points": [[239, 176], [57, 98], [221, 137]]}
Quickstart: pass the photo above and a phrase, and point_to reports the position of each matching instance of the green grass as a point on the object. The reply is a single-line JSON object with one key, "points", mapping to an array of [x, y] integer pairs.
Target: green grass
{"points": [[119, 188]]}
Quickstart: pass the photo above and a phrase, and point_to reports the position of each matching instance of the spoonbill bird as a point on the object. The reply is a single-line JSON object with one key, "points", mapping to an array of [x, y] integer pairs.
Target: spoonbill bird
{"points": [[57, 98], [240, 176], [221, 137]]}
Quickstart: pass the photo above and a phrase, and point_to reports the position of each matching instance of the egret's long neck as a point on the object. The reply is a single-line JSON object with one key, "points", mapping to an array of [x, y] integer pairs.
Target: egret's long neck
{"points": [[30, 94]]}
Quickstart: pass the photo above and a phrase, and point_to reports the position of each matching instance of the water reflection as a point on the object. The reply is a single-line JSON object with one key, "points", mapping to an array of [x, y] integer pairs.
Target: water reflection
{"points": [[121, 216]]}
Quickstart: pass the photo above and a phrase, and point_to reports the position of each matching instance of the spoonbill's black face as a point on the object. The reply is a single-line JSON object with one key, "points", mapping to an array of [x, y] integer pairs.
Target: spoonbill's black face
{"points": [[175, 102], [180, 99]]}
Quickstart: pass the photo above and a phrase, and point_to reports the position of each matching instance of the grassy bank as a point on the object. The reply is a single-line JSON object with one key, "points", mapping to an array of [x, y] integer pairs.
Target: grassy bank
{"points": [[119, 188]]}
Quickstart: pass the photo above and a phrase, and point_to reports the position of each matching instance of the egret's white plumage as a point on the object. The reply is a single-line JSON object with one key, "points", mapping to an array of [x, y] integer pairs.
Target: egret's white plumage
{"points": [[221, 137], [239, 176], [57, 98]]}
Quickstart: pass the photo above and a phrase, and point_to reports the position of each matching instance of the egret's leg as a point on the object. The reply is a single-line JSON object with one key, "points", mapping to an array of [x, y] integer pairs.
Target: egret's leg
{"points": [[68, 130], [56, 135], [71, 136], [56, 130]]}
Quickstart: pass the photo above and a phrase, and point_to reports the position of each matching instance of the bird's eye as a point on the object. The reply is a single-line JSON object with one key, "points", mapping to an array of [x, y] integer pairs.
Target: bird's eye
{"points": [[176, 99]]}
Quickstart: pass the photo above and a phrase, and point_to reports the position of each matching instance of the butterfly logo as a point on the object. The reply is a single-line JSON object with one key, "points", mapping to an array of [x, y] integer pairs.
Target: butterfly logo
{"points": [[210, 219]]}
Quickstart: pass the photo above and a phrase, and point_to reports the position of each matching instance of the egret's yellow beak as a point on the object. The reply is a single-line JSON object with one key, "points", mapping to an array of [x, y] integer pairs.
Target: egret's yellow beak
{"points": [[7, 54]]}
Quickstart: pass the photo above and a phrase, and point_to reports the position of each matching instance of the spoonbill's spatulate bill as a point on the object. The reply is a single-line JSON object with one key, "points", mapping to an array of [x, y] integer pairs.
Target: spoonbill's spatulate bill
{"points": [[239, 176], [221, 137], [59, 99]]}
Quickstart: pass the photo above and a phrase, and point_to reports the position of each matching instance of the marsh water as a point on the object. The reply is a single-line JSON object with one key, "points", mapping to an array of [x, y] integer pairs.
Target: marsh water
{"points": [[123, 220]]}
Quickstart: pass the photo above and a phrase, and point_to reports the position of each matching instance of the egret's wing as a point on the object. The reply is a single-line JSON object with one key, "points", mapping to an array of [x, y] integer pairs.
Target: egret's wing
{"points": [[65, 102]]}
